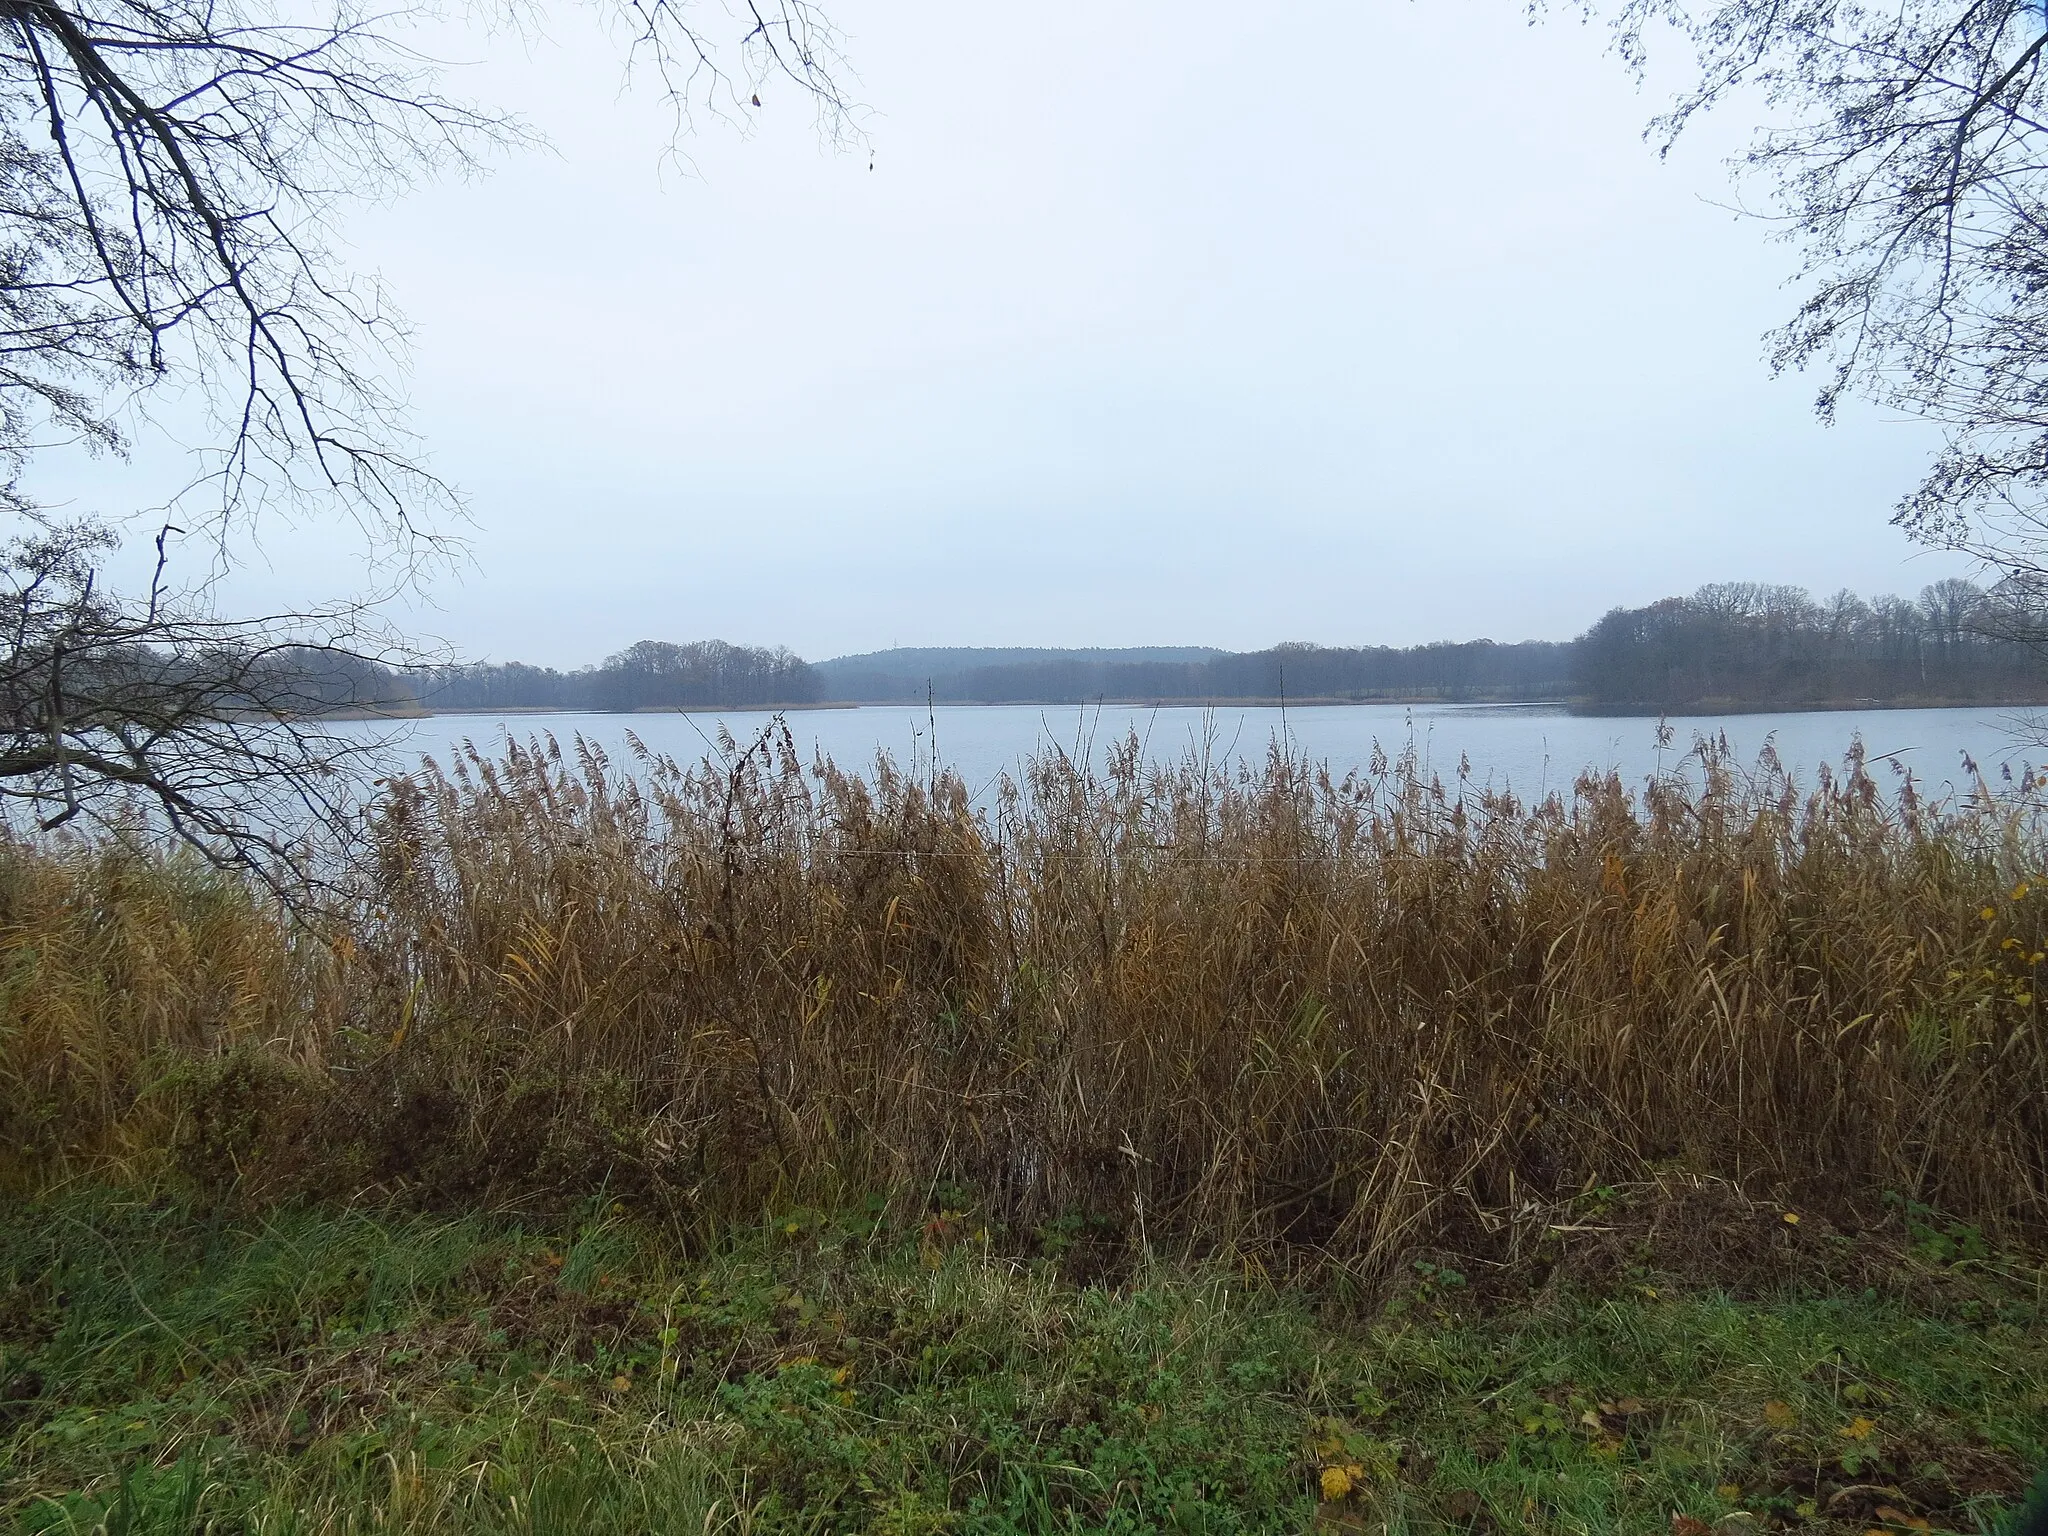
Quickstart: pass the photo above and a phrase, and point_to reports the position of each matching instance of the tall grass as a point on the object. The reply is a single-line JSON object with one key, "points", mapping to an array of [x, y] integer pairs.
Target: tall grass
{"points": [[1265, 1010]]}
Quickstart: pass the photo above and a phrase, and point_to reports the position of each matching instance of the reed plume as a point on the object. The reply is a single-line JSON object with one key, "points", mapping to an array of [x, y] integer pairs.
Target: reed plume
{"points": [[1261, 1009]]}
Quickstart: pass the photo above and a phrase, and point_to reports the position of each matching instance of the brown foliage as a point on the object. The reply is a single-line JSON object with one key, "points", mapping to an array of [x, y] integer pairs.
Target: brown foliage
{"points": [[1265, 1010]]}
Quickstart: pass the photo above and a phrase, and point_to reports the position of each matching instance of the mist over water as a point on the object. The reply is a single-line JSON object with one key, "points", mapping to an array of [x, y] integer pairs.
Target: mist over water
{"points": [[1529, 749]]}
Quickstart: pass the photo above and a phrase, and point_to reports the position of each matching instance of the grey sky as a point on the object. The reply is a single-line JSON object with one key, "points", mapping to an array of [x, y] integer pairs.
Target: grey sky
{"points": [[1200, 322]]}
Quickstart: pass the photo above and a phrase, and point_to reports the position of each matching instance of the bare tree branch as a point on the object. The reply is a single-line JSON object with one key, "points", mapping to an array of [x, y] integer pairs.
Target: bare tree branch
{"points": [[171, 174], [1910, 169]]}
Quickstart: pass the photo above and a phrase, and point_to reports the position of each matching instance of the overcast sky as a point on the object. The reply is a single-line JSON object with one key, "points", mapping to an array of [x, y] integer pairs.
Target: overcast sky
{"points": [[1153, 323]]}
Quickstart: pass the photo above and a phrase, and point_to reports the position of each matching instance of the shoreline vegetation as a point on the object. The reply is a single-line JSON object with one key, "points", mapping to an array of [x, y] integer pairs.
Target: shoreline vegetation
{"points": [[752, 1146], [755, 974]]}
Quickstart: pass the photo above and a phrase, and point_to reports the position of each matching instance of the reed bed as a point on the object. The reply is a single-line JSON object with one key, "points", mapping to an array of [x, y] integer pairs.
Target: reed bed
{"points": [[1268, 1011]]}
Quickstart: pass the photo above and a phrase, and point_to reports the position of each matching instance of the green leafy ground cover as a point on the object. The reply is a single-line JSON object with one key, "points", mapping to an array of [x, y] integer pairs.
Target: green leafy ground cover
{"points": [[163, 1369]]}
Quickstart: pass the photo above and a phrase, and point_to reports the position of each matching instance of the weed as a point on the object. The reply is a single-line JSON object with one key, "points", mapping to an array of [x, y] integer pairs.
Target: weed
{"points": [[328, 1371], [1269, 1014]]}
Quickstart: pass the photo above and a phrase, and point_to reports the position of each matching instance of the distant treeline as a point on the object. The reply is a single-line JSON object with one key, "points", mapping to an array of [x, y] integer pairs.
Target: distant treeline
{"points": [[1738, 645], [655, 675], [1743, 645], [1475, 670], [1735, 645], [911, 674], [652, 674]]}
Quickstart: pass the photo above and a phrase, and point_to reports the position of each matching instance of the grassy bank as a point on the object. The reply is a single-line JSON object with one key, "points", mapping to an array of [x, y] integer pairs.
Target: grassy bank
{"points": [[169, 1369]]}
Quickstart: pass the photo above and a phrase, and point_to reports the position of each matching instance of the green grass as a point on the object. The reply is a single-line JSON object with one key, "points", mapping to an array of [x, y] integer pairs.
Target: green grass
{"points": [[162, 1370]]}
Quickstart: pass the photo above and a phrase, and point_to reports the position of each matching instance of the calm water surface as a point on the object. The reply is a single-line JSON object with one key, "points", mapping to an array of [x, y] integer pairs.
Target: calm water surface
{"points": [[1529, 748]]}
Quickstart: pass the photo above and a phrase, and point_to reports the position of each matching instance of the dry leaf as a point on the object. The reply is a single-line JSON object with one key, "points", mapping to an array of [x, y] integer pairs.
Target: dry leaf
{"points": [[1685, 1525], [1779, 1415], [1858, 1428]]}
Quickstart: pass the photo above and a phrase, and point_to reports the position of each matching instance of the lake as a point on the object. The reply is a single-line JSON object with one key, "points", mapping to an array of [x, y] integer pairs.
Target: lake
{"points": [[1529, 748]]}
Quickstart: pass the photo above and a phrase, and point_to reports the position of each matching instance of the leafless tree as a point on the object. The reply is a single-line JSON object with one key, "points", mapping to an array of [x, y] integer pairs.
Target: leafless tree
{"points": [[145, 719], [1908, 163], [171, 172]]}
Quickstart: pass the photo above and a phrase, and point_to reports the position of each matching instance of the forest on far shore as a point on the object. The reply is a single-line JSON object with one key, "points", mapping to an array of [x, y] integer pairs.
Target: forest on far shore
{"points": [[1729, 646]]}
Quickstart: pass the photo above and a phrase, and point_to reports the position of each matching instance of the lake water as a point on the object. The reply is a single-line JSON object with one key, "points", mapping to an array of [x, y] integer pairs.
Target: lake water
{"points": [[1529, 748]]}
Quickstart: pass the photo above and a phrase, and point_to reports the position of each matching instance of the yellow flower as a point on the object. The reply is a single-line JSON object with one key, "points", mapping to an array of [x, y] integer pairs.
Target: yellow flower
{"points": [[1857, 1429], [2019, 891], [1988, 914], [1336, 1483], [1790, 1218]]}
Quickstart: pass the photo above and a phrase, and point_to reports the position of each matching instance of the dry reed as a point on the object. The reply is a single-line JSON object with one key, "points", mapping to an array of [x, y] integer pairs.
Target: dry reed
{"points": [[1260, 1010]]}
